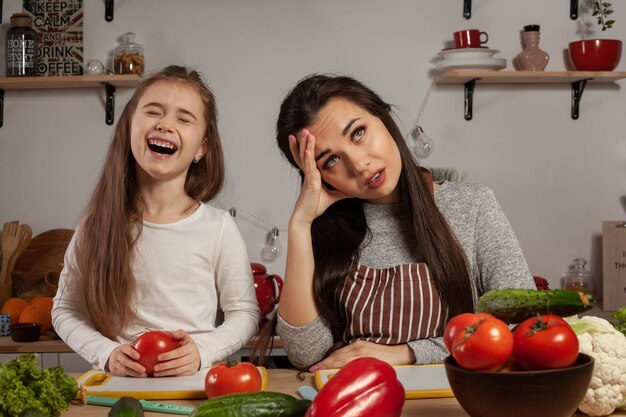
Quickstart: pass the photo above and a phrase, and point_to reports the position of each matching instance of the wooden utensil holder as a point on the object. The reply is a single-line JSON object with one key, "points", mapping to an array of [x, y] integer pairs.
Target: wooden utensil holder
{"points": [[5, 293]]}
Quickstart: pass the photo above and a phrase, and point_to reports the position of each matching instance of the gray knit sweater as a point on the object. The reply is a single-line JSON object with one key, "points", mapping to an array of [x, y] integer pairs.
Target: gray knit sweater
{"points": [[492, 250]]}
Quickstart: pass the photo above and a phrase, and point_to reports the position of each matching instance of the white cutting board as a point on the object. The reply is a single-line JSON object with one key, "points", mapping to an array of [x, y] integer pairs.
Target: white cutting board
{"points": [[419, 381], [165, 388]]}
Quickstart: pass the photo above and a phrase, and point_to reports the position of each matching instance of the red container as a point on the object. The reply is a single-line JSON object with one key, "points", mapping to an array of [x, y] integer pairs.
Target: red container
{"points": [[595, 54], [268, 288]]}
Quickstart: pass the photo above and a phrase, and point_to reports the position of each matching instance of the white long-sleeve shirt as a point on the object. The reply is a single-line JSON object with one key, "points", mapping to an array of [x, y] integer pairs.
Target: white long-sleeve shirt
{"points": [[186, 272]]}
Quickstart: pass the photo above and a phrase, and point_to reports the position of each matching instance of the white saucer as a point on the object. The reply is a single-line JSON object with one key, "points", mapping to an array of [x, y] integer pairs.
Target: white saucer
{"points": [[470, 64], [468, 53]]}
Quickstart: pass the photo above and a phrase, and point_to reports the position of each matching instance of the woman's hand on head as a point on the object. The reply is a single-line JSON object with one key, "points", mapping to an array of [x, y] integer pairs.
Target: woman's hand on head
{"points": [[392, 354], [314, 197], [122, 362], [184, 360]]}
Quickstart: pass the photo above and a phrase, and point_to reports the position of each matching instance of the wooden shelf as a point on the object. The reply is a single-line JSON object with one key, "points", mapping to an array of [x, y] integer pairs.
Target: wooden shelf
{"points": [[72, 81], [577, 79], [527, 77], [109, 82]]}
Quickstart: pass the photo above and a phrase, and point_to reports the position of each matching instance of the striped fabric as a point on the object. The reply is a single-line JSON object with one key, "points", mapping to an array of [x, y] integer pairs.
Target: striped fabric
{"points": [[392, 305]]}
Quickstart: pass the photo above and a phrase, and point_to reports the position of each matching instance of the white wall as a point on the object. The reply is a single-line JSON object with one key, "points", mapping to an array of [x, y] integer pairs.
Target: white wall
{"points": [[557, 179]]}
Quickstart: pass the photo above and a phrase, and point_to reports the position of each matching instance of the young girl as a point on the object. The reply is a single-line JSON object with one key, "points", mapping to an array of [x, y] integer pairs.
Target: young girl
{"points": [[378, 257], [148, 253]]}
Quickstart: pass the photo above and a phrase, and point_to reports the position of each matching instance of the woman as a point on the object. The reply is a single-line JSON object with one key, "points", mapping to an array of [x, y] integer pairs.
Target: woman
{"points": [[378, 257]]}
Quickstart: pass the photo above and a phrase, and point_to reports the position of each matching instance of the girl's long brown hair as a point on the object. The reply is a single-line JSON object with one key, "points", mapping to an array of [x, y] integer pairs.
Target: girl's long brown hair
{"points": [[338, 233], [112, 221]]}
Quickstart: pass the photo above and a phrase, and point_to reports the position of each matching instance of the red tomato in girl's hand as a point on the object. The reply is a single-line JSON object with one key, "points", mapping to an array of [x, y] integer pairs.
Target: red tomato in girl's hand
{"points": [[231, 377], [458, 323], [546, 342], [151, 344], [485, 345]]}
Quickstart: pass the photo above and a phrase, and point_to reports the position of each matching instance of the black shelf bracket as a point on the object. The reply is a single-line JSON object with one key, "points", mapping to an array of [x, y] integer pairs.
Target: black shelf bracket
{"points": [[1, 105], [108, 10], [110, 103], [573, 9], [0, 11], [469, 98], [467, 9], [577, 92]]}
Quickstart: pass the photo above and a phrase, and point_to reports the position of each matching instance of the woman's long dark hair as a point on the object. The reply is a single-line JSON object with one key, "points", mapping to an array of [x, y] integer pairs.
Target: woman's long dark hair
{"points": [[338, 233], [105, 291]]}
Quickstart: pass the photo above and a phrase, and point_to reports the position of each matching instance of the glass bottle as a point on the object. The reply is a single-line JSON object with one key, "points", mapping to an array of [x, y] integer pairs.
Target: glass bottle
{"points": [[531, 58], [578, 278], [21, 47], [128, 57]]}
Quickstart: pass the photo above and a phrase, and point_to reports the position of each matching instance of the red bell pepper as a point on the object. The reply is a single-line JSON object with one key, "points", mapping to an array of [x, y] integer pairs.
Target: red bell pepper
{"points": [[363, 387]]}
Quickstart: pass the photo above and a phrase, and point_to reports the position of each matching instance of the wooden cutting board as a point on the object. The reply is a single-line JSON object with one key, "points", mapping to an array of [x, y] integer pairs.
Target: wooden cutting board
{"points": [[166, 388], [43, 255], [419, 381]]}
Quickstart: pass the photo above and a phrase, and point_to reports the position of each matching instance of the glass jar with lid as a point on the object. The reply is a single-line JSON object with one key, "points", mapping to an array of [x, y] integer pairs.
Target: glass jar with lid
{"points": [[128, 57], [578, 277], [21, 47]]}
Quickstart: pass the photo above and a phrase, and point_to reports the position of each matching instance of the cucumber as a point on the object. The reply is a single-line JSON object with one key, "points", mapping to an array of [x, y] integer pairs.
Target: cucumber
{"points": [[516, 305], [253, 404], [127, 407]]}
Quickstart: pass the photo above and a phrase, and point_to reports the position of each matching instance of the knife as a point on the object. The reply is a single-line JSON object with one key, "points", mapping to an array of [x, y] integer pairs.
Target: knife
{"points": [[147, 405]]}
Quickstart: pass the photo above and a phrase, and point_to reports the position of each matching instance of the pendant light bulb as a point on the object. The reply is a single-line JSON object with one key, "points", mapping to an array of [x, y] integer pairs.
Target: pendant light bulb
{"points": [[422, 144], [272, 248]]}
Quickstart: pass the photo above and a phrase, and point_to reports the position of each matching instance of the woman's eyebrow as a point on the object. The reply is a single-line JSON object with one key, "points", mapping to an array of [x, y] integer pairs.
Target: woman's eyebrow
{"points": [[348, 126], [344, 132]]}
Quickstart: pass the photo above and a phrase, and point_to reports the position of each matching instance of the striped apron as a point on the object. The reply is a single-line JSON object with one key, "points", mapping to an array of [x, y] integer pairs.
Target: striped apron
{"points": [[392, 305]]}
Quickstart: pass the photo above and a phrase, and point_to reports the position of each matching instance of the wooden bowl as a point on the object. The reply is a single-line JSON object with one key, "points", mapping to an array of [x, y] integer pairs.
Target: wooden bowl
{"points": [[549, 393], [25, 332]]}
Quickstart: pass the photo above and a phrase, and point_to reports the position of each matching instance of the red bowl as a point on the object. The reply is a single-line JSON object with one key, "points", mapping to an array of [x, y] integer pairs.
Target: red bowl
{"points": [[595, 54]]}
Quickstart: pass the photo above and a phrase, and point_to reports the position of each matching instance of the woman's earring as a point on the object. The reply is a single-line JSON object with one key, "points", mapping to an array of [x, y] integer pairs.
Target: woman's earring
{"points": [[195, 160]]}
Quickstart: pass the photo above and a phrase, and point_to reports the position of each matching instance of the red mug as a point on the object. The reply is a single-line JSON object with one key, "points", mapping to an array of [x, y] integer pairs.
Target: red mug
{"points": [[470, 38], [267, 288]]}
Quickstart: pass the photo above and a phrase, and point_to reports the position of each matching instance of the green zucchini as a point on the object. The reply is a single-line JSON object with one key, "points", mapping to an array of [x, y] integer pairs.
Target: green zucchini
{"points": [[253, 404], [516, 305]]}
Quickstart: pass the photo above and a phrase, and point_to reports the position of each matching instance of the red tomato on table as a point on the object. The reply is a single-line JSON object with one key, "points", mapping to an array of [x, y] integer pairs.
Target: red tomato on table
{"points": [[151, 344], [544, 342], [484, 345], [231, 377]]}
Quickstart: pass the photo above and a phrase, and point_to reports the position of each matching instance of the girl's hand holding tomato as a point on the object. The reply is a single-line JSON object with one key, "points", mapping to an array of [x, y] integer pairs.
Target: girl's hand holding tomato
{"points": [[544, 342], [479, 342], [232, 377], [163, 353]]}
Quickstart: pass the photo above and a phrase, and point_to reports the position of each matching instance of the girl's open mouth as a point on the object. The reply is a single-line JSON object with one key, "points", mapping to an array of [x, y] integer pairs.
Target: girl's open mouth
{"points": [[162, 147]]}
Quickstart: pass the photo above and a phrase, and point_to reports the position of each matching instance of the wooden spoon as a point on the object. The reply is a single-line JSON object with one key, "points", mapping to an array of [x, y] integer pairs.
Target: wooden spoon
{"points": [[9, 242], [26, 234]]}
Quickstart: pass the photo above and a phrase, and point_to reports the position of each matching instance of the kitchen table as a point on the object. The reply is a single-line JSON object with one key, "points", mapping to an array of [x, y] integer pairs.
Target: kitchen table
{"points": [[287, 381]]}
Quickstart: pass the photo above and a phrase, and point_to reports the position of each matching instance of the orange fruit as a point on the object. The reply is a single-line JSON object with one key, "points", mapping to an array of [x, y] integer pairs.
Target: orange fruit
{"points": [[14, 307], [35, 314], [43, 302]]}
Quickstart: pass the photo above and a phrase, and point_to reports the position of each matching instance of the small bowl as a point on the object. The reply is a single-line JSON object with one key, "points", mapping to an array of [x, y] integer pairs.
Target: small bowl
{"points": [[549, 393], [25, 332], [595, 54]]}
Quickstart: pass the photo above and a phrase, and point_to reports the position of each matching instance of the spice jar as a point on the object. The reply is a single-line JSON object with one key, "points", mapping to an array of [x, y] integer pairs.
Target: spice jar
{"points": [[21, 47], [578, 278], [128, 57]]}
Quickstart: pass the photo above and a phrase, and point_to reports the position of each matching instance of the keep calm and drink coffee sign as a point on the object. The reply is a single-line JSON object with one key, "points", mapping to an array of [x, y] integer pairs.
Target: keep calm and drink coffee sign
{"points": [[59, 24]]}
